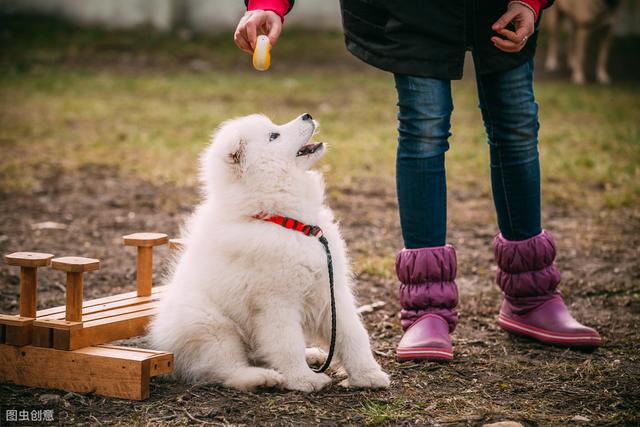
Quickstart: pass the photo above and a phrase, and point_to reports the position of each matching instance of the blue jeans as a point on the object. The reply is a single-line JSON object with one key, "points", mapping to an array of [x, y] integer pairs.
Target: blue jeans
{"points": [[510, 116]]}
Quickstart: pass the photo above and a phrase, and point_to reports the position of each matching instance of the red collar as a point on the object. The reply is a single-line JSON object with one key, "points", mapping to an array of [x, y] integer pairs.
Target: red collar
{"points": [[291, 224]]}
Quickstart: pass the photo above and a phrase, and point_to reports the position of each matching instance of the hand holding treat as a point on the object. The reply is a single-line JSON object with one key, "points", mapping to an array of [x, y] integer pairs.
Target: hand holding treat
{"points": [[246, 37]]}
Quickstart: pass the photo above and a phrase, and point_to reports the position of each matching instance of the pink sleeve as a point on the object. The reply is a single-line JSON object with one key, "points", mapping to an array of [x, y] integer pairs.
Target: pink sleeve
{"points": [[535, 5], [278, 6]]}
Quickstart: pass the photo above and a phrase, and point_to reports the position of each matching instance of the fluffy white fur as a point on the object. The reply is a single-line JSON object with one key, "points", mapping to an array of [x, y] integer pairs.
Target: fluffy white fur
{"points": [[246, 296]]}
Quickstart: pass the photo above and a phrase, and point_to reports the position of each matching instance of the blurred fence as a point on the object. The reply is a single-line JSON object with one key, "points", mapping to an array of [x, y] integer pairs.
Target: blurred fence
{"points": [[210, 16]]}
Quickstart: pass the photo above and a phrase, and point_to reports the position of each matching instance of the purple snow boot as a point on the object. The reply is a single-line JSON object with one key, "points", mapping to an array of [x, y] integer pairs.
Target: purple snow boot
{"points": [[532, 306], [428, 295]]}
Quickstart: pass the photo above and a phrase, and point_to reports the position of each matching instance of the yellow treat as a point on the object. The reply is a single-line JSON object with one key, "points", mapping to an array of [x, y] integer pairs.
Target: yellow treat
{"points": [[262, 54]]}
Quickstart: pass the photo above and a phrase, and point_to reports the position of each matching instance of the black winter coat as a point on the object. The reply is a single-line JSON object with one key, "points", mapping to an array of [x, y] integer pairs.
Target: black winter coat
{"points": [[429, 38]]}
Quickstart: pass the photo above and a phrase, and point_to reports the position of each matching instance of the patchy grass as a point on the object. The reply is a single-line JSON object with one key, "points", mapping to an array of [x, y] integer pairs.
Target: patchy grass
{"points": [[380, 411], [108, 95], [381, 267]]}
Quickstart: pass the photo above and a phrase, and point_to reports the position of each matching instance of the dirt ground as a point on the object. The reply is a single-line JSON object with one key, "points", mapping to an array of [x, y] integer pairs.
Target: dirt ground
{"points": [[493, 377]]}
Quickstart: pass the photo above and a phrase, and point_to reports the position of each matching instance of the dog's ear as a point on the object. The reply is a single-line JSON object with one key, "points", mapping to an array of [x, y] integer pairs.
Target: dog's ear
{"points": [[235, 158], [236, 155]]}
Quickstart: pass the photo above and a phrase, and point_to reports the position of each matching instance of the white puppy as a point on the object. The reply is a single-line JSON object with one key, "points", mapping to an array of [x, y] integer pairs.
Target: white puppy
{"points": [[246, 295]]}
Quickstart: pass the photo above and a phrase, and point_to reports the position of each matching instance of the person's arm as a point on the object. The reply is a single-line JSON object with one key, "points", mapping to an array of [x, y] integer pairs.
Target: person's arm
{"points": [[266, 16]]}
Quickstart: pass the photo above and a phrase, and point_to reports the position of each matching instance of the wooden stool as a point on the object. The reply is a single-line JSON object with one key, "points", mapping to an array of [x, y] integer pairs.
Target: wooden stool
{"points": [[145, 243], [17, 330], [68, 348], [105, 319]]}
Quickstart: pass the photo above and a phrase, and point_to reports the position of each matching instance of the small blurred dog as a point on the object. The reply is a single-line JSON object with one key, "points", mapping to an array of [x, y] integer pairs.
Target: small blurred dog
{"points": [[585, 16], [246, 294]]}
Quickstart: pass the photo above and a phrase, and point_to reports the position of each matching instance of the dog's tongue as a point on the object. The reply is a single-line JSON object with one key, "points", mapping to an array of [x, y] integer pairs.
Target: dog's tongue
{"points": [[308, 149]]}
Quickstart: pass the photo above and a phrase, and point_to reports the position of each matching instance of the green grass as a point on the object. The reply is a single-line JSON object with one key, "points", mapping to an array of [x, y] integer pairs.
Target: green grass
{"points": [[70, 97], [382, 411], [376, 266]]}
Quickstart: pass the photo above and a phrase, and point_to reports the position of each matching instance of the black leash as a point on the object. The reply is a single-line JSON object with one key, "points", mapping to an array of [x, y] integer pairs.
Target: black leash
{"points": [[332, 344], [313, 231]]}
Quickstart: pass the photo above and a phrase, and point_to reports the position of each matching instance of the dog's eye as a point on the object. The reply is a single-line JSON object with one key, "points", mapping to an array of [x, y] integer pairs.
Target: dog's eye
{"points": [[273, 136]]}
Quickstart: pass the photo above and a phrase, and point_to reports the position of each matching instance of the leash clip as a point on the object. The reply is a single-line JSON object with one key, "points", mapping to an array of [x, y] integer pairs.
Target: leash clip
{"points": [[316, 231]]}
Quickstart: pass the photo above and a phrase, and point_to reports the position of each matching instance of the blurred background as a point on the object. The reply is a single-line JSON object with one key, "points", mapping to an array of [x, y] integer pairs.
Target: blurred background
{"points": [[115, 60], [212, 16], [106, 104]]}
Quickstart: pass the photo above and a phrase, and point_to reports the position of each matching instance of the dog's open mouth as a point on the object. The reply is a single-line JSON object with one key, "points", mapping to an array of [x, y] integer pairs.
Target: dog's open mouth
{"points": [[307, 149]]}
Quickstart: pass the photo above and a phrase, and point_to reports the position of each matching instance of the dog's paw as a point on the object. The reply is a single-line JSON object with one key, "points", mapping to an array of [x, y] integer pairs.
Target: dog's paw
{"points": [[249, 379], [307, 382], [374, 378], [315, 356]]}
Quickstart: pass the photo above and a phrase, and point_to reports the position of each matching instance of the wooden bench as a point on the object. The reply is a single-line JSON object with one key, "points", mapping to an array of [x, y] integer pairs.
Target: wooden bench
{"points": [[64, 347], [112, 371]]}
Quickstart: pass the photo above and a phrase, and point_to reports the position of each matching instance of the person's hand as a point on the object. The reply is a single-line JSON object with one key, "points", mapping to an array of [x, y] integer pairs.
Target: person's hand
{"points": [[524, 22], [254, 23]]}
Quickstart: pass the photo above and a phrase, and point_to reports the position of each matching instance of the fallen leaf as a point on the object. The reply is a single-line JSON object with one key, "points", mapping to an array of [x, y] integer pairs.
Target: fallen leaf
{"points": [[49, 225], [370, 308]]}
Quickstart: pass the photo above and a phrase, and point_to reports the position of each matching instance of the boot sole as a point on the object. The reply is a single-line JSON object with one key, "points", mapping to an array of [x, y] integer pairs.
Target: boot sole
{"points": [[424, 353], [546, 336]]}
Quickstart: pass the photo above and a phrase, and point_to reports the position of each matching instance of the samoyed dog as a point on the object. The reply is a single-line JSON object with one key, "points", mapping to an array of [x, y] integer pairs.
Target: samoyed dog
{"points": [[246, 295]]}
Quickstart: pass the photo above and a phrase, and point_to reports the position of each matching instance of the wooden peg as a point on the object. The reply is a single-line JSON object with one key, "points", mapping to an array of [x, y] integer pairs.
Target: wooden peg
{"points": [[145, 243], [177, 244], [75, 268], [28, 263]]}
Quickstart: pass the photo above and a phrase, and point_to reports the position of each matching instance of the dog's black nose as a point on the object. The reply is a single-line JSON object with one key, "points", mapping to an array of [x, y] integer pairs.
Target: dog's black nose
{"points": [[307, 116]]}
